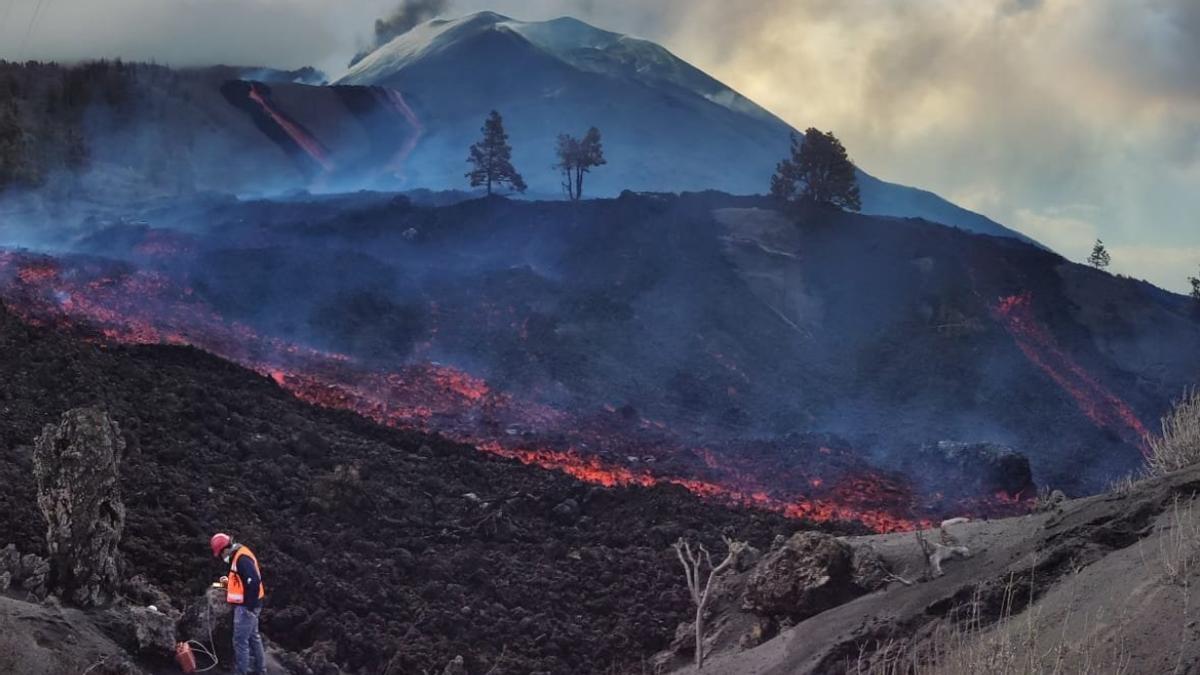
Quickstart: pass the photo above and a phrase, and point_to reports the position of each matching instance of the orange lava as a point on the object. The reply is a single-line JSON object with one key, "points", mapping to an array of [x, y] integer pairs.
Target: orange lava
{"points": [[297, 133], [1095, 401], [119, 304]]}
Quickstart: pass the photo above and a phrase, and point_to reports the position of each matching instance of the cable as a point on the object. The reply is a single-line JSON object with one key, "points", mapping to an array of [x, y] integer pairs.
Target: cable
{"points": [[210, 651], [37, 9]]}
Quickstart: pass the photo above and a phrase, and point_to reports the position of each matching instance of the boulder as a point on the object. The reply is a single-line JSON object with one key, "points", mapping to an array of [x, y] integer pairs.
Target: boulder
{"points": [[34, 575], [567, 511], [28, 572], [971, 469], [141, 630], [811, 573], [77, 466], [870, 572]]}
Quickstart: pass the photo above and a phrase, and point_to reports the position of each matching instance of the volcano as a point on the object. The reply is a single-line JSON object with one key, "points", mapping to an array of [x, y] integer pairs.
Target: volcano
{"points": [[667, 125], [403, 118]]}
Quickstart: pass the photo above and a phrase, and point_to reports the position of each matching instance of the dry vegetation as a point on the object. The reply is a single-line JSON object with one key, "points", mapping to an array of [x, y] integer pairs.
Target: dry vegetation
{"points": [[1014, 645], [1179, 445], [1017, 643]]}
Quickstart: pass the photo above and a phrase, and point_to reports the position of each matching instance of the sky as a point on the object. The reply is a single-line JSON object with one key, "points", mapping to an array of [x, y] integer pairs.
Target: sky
{"points": [[1069, 120]]}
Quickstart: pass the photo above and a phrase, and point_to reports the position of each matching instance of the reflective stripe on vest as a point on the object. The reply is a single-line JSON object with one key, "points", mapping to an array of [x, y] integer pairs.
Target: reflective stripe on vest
{"points": [[235, 592]]}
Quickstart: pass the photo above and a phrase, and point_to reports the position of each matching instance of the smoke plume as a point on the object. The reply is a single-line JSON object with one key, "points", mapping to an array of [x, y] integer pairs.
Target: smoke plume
{"points": [[402, 19]]}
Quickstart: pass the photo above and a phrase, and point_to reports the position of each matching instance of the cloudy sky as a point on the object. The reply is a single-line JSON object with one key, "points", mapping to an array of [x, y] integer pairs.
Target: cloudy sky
{"points": [[1066, 119]]}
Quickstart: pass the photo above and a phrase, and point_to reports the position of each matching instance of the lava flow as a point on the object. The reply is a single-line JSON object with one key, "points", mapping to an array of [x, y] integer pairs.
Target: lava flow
{"points": [[799, 477], [297, 133], [394, 100], [1099, 404]]}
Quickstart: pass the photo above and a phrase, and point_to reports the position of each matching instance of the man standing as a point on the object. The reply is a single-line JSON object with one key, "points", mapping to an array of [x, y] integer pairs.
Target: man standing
{"points": [[244, 590]]}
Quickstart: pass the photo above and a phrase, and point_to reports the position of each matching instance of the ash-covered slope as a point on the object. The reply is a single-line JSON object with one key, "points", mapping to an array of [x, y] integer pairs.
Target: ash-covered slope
{"points": [[383, 551], [1097, 585], [667, 125]]}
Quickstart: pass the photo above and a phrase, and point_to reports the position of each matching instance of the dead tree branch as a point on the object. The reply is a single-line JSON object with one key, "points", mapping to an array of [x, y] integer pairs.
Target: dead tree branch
{"points": [[693, 564]]}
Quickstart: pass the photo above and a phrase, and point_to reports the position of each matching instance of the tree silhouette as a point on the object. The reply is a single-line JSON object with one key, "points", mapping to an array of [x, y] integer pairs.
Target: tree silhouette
{"points": [[492, 158], [577, 157], [1099, 257], [699, 585], [1195, 282], [818, 171]]}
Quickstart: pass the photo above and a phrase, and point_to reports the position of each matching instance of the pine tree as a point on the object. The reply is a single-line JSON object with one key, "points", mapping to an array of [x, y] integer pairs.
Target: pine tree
{"points": [[1195, 282], [492, 158], [1099, 257], [818, 171], [577, 157]]}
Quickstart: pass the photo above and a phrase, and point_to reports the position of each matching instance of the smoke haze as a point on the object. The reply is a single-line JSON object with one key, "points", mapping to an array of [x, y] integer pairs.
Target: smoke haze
{"points": [[1066, 119]]}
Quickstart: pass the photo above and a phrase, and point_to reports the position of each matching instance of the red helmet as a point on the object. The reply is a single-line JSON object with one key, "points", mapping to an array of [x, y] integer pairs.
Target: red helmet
{"points": [[219, 542]]}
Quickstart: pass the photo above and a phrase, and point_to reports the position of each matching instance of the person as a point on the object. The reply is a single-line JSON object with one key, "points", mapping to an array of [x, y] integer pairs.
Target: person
{"points": [[245, 591]]}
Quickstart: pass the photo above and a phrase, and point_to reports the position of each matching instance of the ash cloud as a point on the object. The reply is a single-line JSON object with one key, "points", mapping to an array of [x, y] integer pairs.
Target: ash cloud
{"points": [[403, 18]]}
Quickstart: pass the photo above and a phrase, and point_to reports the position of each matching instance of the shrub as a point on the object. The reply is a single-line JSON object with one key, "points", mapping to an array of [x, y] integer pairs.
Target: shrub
{"points": [[1179, 445]]}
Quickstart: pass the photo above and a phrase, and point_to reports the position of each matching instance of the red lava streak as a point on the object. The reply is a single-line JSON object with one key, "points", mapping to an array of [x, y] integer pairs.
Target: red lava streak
{"points": [[1099, 404], [296, 132], [106, 301], [395, 100]]}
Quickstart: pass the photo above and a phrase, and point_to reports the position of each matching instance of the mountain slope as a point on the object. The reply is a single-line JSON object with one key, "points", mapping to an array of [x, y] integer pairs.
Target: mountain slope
{"points": [[1096, 585], [697, 338], [380, 548], [667, 126]]}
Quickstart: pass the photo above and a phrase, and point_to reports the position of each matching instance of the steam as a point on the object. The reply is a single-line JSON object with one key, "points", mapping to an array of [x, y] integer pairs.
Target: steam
{"points": [[407, 15]]}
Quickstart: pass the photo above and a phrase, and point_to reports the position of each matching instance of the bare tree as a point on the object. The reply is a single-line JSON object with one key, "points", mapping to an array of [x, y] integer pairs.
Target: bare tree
{"points": [[577, 157], [693, 565], [936, 553]]}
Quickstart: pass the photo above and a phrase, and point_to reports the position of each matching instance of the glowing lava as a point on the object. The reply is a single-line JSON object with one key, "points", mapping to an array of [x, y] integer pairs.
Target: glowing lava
{"points": [[394, 100], [293, 129], [105, 301], [1099, 404]]}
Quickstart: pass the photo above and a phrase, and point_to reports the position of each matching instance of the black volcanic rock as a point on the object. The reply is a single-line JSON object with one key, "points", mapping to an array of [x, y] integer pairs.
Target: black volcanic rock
{"points": [[809, 574], [967, 469], [77, 465], [366, 585]]}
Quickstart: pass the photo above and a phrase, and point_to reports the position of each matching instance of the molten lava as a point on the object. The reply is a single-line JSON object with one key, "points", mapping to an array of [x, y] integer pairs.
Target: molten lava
{"points": [[394, 101], [800, 478], [293, 129], [1095, 401]]}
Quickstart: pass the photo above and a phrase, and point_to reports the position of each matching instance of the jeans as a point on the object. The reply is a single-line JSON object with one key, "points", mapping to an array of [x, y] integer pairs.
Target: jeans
{"points": [[248, 654]]}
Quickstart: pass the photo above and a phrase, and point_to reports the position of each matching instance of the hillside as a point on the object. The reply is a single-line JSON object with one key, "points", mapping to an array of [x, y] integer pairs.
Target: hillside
{"points": [[113, 133], [667, 125], [382, 548], [1099, 585], [813, 366]]}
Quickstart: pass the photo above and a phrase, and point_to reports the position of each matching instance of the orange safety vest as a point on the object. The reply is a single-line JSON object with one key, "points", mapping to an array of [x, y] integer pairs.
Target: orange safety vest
{"points": [[235, 593]]}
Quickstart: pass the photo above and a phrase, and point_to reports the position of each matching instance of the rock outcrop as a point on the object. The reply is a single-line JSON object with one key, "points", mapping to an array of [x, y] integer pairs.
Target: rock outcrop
{"points": [[77, 465], [809, 574], [965, 469], [27, 572], [142, 631]]}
